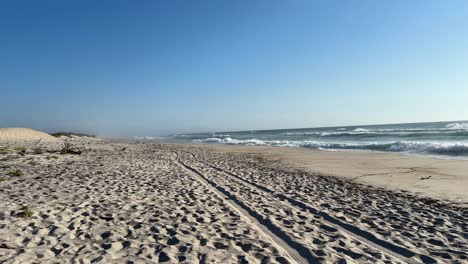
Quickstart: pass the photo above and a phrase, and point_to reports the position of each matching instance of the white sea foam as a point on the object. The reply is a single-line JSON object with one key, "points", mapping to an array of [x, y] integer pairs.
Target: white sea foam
{"points": [[360, 130], [457, 126], [451, 149], [394, 133], [302, 133], [440, 139], [326, 134], [208, 140], [147, 137]]}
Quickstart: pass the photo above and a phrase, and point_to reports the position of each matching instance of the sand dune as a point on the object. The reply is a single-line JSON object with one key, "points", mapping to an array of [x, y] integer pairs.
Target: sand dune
{"points": [[28, 138], [24, 134]]}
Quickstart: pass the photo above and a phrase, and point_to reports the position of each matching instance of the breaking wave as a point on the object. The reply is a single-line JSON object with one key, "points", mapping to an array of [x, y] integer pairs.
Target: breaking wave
{"points": [[401, 133], [384, 133], [449, 139], [457, 126], [146, 138], [449, 149], [360, 130]]}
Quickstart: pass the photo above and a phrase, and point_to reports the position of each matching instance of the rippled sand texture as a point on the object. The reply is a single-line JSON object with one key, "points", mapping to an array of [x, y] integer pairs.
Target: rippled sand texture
{"points": [[144, 203]]}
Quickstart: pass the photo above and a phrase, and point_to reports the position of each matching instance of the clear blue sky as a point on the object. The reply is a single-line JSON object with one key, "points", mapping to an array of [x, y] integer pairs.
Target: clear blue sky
{"points": [[124, 68]]}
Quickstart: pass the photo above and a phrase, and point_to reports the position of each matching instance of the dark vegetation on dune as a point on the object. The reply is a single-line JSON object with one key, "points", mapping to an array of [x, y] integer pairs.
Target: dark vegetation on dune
{"points": [[69, 134]]}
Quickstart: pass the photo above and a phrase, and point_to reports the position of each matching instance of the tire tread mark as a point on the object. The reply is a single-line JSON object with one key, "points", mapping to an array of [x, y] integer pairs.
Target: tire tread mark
{"points": [[366, 237], [297, 251]]}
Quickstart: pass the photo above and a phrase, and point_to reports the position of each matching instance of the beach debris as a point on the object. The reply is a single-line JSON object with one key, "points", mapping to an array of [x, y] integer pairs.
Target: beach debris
{"points": [[426, 178]]}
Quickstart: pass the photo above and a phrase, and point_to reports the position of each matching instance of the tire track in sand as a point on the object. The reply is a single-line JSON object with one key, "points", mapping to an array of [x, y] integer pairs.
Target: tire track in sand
{"points": [[363, 236], [293, 251]]}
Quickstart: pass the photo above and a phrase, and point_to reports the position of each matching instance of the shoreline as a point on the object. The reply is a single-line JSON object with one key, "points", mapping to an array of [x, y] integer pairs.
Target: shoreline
{"points": [[370, 151], [393, 171]]}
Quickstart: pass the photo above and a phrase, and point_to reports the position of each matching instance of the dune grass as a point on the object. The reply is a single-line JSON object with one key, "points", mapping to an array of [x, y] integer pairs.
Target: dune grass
{"points": [[20, 149], [33, 163], [27, 212], [38, 151], [4, 150], [16, 172]]}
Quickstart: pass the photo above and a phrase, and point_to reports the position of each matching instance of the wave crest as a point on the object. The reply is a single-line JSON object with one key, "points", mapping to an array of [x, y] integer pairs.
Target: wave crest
{"points": [[360, 130], [449, 149], [457, 126]]}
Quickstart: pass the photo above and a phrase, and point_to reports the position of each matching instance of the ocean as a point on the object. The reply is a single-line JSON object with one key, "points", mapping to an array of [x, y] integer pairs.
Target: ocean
{"points": [[441, 139]]}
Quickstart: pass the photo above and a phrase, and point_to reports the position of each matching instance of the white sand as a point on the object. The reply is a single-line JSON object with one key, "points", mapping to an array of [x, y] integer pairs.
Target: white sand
{"points": [[119, 202]]}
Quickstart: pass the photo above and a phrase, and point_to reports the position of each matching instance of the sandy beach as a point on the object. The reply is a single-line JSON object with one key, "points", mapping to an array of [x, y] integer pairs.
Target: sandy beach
{"points": [[147, 202], [430, 177], [219, 132]]}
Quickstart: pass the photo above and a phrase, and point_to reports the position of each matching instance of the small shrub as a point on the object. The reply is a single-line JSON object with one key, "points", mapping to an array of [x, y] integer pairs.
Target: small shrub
{"points": [[70, 134], [36, 148], [27, 212], [16, 172], [3, 150], [68, 150], [38, 151], [2, 179], [21, 150], [66, 147], [33, 163]]}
